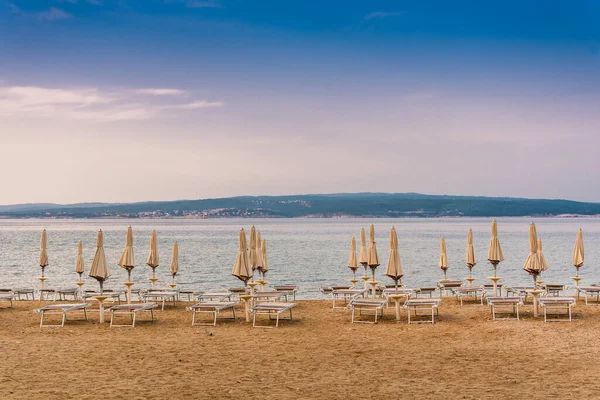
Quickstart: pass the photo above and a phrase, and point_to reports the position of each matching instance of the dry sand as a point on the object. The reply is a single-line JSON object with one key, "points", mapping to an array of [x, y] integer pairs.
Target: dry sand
{"points": [[319, 355]]}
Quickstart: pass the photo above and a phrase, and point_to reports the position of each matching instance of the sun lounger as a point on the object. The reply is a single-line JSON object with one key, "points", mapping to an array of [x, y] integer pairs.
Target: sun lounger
{"points": [[190, 293], [489, 288], [132, 310], [113, 295], [162, 296], [346, 295], [61, 309], [500, 305], [362, 304], [520, 291], [416, 305], [7, 296], [555, 289], [24, 292], [270, 296], [557, 303], [388, 292], [447, 285], [328, 289], [270, 309], [475, 292], [588, 293], [239, 290], [425, 291], [63, 294], [211, 307], [45, 294], [288, 288], [214, 296]]}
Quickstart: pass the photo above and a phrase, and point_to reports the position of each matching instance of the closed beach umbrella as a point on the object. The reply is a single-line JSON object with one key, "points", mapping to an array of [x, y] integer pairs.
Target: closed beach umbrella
{"points": [[79, 263], [495, 255], [265, 263], [259, 257], [175, 261], [470, 252], [43, 251], [99, 269], [578, 256], [153, 255], [532, 264], [363, 259], [152, 261], [242, 269], [352, 261], [443, 257], [543, 264], [373, 257], [394, 266], [252, 249], [127, 260]]}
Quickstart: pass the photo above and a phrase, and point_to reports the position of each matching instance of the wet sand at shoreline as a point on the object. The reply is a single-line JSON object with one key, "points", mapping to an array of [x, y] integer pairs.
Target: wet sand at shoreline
{"points": [[318, 355]]}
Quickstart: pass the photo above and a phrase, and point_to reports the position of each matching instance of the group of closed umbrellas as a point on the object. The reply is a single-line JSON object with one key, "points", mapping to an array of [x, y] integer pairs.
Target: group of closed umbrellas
{"points": [[251, 258], [100, 270], [534, 265]]}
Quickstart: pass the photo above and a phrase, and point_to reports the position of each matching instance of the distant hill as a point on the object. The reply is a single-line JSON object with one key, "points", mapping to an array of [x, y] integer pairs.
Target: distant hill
{"points": [[313, 205]]}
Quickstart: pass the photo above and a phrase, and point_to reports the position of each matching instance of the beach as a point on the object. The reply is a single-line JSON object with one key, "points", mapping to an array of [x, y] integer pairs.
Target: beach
{"points": [[320, 354]]}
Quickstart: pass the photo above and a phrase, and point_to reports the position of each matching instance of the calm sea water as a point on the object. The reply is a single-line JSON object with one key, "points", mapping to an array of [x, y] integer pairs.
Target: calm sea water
{"points": [[309, 252]]}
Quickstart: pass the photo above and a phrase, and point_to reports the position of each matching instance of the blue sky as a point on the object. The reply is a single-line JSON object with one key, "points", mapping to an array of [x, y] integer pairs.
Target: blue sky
{"points": [[220, 97]]}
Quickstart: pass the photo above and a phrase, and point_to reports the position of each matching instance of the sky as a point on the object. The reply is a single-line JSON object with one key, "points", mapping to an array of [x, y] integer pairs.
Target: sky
{"points": [[136, 100]]}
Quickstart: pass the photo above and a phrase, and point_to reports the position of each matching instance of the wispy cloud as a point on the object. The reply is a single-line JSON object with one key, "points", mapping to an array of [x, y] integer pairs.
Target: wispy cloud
{"points": [[383, 14], [94, 104], [53, 14], [160, 92], [202, 4]]}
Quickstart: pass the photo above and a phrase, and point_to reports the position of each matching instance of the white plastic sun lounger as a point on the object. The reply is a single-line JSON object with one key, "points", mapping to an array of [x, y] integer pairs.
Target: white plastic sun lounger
{"points": [[446, 286], [61, 309], [270, 296], [270, 309], [555, 289], [505, 305], [345, 295], [388, 292], [425, 291], [211, 307], [416, 305], [24, 292], [557, 303], [288, 288], [45, 294], [214, 296], [113, 295], [162, 296], [64, 293], [362, 304], [8, 296], [474, 292], [132, 310], [589, 292]]}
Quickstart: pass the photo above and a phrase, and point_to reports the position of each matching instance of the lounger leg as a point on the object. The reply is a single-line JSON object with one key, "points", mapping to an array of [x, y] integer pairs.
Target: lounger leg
{"points": [[233, 309], [214, 318], [64, 316], [254, 321], [85, 314], [133, 324], [353, 315], [152, 314], [42, 320], [277, 321]]}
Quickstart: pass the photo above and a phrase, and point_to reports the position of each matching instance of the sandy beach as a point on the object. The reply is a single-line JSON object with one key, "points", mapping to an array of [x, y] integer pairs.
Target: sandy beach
{"points": [[318, 355]]}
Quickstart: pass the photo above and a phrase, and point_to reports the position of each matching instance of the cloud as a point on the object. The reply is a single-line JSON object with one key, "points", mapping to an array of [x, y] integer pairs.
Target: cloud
{"points": [[160, 92], [93, 104], [53, 14], [202, 4], [383, 14]]}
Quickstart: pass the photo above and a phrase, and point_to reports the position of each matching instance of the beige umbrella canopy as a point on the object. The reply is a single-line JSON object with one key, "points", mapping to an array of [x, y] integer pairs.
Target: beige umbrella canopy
{"points": [[175, 261], [394, 267], [363, 258], [242, 269], [578, 256], [99, 269], [532, 264], [543, 264], [252, 258], [259, 257], [373, 257], [443, 257], [127, 259], [79, 263], [470, 252], [43, 251], [152, 260], [352, 261], [495, 255], [265, 263]]}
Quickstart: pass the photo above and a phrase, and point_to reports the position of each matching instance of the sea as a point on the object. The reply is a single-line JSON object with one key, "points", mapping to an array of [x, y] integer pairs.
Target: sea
{"points": [[308, 252]]}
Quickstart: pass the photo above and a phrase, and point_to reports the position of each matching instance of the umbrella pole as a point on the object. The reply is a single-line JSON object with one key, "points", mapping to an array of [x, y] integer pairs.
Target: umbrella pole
{"points": [[445, 275]]}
